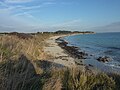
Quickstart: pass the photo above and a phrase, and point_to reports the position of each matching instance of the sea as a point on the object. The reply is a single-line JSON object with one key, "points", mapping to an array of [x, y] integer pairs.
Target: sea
{"points": [[99, 45]]}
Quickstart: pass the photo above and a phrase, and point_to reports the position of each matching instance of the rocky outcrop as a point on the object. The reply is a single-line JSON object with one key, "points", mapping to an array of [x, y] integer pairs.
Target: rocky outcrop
{"points": [[72, 50], [104, 59]]}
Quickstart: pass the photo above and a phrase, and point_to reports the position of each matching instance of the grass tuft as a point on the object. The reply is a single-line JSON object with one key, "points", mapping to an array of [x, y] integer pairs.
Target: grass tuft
{"points": [[24, 66]]}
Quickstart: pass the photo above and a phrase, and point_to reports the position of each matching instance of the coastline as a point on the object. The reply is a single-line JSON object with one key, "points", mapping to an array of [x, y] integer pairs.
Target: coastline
{"points": [[65, 56], [48, 72], [59, 56], [101, 63]]}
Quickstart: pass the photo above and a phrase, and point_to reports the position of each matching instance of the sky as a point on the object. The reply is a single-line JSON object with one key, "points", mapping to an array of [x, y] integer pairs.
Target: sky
{"points": [[52, 15]]}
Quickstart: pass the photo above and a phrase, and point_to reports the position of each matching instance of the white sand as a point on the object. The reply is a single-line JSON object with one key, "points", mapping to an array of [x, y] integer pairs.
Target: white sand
{"points": [[58, 53], [60, 57]]}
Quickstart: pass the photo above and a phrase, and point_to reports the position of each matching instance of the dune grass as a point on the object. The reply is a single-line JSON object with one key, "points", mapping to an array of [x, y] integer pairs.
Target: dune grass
{"points": [[22, 68], [12, 46], [74, 79]]}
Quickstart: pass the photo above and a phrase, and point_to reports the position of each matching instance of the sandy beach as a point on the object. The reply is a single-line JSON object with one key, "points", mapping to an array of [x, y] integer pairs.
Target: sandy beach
{"points": [[59, 54]]}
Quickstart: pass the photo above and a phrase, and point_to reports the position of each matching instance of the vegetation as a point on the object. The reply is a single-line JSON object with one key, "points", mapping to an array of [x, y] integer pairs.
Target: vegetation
{"points": [[24, 66], [71, 32]]}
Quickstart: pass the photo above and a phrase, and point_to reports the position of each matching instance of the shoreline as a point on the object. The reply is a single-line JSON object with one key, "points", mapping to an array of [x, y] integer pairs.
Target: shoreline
{"points": [[73, 51], [32, 68], [59, 56], [77, 52], [68, 56]]}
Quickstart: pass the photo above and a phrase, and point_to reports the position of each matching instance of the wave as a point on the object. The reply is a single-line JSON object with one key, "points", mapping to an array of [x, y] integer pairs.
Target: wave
{"points": [[113, 65], [114, 48]]}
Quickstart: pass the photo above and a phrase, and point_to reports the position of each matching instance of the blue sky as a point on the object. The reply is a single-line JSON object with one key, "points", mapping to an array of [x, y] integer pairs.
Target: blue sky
{"points": [[51, 15]]}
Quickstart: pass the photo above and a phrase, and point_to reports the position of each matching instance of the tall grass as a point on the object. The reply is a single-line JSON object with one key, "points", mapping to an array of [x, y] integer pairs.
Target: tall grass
{"points": [[22, 68], [77, 80], [12, 46], [17, 67]]}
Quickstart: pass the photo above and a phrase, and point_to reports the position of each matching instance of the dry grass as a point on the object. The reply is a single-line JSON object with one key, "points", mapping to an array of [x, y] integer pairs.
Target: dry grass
{"points": [[17, 67], [12, 47], [74, 79], [21, 69], [18, 75], [53, 84]]}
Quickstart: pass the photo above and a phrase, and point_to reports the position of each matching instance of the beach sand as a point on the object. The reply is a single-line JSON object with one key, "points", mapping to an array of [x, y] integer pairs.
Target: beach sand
{"points": [[59, 54]]}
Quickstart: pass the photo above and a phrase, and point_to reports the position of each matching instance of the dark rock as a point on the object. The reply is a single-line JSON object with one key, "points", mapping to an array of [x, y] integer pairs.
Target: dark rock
{"points": [[104, 59], [90, 65], [91, 54], [72, 50]]}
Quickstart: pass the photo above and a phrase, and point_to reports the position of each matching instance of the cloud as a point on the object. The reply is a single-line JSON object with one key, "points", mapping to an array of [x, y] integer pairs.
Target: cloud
{"points": [[19, 10], [3, 4], [24, 14], [36, 6], [113, 27], [9, 23], [16, 16], [75, 22], [18, 1], [22, 9]]}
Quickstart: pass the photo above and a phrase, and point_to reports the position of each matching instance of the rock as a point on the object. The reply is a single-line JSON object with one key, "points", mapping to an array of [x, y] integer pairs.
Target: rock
{"points": [[91, 55], [104, 59], [90, 65], [72, 50]]}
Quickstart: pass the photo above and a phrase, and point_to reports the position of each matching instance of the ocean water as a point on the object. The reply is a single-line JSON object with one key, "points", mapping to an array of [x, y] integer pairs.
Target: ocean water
{"points": [[100, 44]]}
